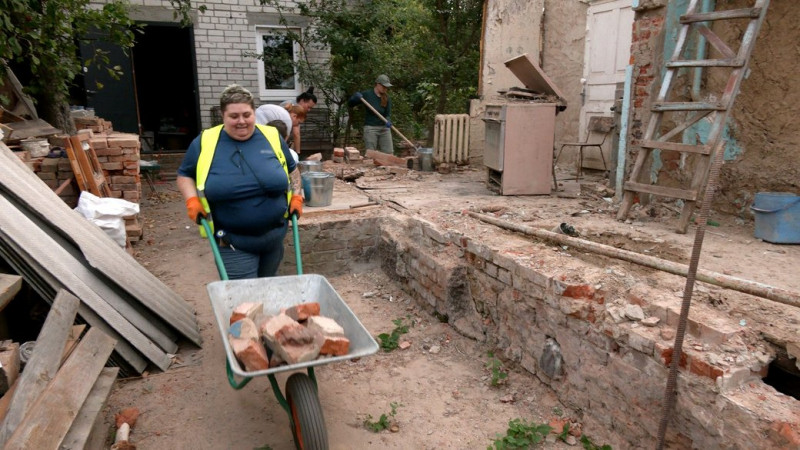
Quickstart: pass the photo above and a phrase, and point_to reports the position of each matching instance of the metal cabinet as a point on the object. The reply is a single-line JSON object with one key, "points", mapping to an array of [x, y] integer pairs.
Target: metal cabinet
{"points": [[518, 153]]}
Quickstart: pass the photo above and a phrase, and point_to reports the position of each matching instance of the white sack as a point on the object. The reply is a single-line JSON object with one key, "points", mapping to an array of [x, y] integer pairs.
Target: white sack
{"points": [[107, 213]]}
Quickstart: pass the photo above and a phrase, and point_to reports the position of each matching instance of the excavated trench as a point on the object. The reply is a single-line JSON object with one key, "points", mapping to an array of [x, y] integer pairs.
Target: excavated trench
{"points": [[599, 332]]}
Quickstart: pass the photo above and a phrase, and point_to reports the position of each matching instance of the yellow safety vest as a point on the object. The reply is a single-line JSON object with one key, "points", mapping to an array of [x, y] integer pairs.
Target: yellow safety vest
{"points": [[208, 145]]}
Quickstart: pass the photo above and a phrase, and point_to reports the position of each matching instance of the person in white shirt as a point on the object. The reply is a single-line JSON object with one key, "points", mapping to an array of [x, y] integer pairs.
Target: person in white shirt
{"points": [[307, 100], [285, 119]]}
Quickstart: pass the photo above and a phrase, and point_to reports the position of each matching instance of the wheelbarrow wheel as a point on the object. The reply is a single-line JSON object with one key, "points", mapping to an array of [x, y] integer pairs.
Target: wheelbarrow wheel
{"points": [[307, 422]]}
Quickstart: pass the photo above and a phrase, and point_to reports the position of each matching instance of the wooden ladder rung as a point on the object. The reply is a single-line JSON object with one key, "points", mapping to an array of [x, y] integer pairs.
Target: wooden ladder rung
{"points": [[705, 63], [689, 195], [678, 147], [687, 106], [744, 13]]}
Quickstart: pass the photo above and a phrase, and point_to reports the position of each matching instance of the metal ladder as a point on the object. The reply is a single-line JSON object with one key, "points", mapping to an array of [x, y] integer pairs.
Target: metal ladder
{"points": [[683, 115]]}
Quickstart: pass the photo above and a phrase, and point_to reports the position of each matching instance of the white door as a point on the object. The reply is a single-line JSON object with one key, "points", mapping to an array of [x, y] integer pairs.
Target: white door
{"points": [[609, 26]]}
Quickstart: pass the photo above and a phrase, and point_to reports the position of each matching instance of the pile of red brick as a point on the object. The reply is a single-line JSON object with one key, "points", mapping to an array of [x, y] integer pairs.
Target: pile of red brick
{"points": [[296, 335]]}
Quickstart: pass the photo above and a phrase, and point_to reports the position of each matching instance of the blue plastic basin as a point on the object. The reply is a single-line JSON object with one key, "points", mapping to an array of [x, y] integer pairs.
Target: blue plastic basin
{"points": [[777, 217]]}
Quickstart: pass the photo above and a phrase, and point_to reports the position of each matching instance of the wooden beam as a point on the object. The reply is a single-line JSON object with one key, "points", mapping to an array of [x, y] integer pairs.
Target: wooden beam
{"points": [[662, 191], [744, 13], [57, 261], [9, 286], [44, 362], [51, 417], [99, 252], [30, 128], [46, 285], [87, 429]]}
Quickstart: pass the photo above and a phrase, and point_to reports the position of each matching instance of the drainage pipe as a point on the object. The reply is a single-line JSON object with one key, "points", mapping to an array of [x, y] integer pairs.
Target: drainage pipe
{"points": [[768, 292]]}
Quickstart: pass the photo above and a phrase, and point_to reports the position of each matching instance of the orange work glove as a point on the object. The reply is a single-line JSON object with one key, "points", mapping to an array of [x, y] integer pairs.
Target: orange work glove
{"points": [[194, 209], [296, 205]]}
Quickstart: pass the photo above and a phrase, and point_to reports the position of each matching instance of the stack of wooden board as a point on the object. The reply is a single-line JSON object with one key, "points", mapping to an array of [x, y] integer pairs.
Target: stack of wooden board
{"points": [[54, 247], [58, 399]]}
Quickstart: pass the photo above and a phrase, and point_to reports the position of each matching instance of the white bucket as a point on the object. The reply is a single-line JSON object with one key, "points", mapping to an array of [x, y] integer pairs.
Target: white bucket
{"points": [[37, 147]]}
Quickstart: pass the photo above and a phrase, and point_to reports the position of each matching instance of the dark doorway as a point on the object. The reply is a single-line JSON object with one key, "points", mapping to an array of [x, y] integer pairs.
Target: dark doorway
{"points": [[156, 96], [166, 84], [112, 99]]}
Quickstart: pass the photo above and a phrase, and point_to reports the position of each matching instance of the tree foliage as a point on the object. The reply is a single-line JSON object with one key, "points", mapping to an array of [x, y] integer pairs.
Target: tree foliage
{"points": [[429, 49], [41, 39]]}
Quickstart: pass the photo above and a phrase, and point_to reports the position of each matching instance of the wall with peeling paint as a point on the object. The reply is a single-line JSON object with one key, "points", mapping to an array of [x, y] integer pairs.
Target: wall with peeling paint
{"points": [[564, 43], [763, 137], [552, 32], [512, 27]]}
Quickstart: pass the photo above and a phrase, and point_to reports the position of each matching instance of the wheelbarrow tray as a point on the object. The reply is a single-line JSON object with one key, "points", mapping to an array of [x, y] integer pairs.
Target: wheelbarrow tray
{"points": [[277, 293]]}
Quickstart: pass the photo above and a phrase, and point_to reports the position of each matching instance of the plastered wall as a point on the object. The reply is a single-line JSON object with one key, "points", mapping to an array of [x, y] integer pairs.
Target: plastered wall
{"points": [[763, 133]]}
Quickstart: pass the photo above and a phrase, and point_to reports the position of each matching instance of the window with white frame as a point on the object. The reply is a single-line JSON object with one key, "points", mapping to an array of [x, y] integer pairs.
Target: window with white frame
{"points": [[276, 74]]}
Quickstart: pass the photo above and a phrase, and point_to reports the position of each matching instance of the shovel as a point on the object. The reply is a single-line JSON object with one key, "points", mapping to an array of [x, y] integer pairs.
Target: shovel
{"points": [[386, 121]]}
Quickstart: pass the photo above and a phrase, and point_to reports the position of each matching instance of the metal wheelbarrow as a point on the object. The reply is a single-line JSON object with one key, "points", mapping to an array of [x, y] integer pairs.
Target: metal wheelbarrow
{"points": [[301, 401]]}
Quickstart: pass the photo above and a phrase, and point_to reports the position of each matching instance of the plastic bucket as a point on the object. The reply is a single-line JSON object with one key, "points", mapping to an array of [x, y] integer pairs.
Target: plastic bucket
{"points": [[425, 156], [777, 217], [320, 188]]}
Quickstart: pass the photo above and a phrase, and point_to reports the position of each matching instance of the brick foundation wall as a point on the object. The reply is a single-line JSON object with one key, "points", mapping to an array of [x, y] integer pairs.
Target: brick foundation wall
{"points": [[525, 295], [613, 369], [333, 247]]}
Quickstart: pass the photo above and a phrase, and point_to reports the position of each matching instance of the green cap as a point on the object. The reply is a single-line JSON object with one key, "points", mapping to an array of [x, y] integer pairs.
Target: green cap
{"points": [[384, 80]]}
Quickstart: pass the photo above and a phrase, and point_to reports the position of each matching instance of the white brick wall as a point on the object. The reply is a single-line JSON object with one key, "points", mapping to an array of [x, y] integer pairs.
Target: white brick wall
{"points": [[221, 34]]}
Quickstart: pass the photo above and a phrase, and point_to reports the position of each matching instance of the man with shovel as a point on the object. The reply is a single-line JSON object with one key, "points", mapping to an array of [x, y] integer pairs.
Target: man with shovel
{"points": [[377, 126]]}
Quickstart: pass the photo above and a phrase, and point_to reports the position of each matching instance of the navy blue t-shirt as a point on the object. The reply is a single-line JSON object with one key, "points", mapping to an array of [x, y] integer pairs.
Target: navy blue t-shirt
{"points": [[246, 185]]}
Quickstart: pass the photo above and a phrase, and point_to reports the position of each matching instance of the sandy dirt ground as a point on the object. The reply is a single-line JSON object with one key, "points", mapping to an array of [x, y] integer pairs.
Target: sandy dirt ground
{"points": [[440, 385]]}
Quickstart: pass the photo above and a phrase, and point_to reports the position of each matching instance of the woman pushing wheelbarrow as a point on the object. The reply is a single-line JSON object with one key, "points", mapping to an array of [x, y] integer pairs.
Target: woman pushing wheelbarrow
{"points": [[242, 190], [237, 177]]}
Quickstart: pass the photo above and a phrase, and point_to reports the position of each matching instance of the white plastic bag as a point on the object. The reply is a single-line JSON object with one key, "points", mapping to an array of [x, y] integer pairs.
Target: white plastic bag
{"points": [[107, 213]]}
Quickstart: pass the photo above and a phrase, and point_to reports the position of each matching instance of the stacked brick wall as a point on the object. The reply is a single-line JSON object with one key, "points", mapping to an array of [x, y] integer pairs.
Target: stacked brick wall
{"points": [[118, 155], [54, 172], [613, 369]]}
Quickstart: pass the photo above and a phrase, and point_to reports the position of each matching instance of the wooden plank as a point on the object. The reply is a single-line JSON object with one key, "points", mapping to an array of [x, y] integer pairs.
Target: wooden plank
{"points": [[51, 417], [84, 164], [705, 63], [46, 285], [680, 128], [677, 147], [9, 286], [100, 252], [83, 146], [63, 186], [77, 169], [55, 260], [141, 317], [43, 363], [24, 104], [662, 191], [88, 427], [5, 400], [10, 364], [744, 13], [31, 128], [72, 341], [687, 106], [716, 42]]}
